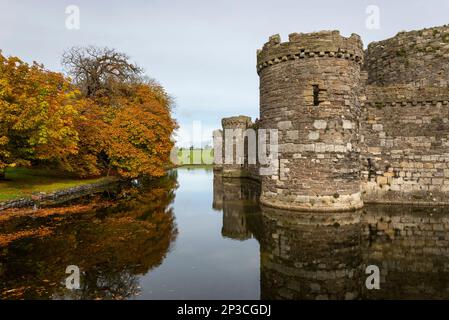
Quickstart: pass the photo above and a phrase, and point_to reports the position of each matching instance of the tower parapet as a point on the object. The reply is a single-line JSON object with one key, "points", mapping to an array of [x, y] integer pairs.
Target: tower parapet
{"points": [[329, 44]]}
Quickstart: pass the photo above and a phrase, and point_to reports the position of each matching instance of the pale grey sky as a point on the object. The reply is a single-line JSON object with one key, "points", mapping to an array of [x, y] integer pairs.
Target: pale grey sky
{"points": [[202, 51]]}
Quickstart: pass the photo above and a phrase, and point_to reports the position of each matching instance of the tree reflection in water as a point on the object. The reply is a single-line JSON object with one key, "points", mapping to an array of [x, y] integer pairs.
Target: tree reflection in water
{"points": [[129, 231], [119, 238]]}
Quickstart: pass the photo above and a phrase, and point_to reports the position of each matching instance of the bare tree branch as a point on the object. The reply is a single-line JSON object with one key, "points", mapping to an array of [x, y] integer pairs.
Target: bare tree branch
{"points": [[97, 70]]}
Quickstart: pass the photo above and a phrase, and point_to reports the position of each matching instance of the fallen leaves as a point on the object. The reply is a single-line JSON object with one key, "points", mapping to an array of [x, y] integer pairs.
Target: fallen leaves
{"points": [[6, 239]]}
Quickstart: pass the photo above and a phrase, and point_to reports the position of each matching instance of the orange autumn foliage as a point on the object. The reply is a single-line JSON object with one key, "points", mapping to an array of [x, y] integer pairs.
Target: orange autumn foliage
{"points": [[129, 134], [6, 239], [140, 133], [45, 120], [38, 109]]}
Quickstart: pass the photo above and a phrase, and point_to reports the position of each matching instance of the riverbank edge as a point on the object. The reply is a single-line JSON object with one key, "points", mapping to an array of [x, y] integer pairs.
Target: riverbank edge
{"points": [[59, 196]]}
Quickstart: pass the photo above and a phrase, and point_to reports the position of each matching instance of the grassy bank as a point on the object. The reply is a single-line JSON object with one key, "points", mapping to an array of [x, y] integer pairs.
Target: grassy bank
{"points": [[23, 182]]}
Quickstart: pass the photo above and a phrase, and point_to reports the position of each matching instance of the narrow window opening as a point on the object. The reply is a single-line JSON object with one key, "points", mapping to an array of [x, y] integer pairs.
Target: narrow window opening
{"points": [[316, 95]]}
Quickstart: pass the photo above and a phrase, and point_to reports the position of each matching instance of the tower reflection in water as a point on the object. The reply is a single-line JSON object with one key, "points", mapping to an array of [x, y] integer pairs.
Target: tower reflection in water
{"points": [[324, 256]]}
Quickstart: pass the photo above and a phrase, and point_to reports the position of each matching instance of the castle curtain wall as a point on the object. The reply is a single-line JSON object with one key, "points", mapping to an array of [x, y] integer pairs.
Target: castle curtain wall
{"points": [[405, 120]]}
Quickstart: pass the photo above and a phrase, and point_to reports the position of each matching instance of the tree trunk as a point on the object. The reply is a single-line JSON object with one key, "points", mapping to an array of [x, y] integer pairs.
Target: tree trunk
{"points": [[2, 174]]}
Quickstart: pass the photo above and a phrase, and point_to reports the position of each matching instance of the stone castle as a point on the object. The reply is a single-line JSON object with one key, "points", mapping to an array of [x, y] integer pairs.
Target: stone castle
{"points": [[355, 126]]}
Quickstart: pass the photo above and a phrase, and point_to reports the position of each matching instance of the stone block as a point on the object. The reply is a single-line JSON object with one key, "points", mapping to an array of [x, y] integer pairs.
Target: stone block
{"points": [[348, 125], [293, 134], [314, 135], [320, 124], [284, 125]]}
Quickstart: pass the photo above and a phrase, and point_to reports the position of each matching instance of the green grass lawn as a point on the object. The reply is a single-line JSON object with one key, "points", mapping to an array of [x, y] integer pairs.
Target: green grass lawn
{"points": [[23, 182], [196, 157]]}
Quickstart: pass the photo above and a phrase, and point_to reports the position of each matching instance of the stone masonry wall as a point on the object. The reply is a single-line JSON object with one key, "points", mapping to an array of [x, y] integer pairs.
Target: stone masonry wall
{"points": [[405, 120], [405, 139]]}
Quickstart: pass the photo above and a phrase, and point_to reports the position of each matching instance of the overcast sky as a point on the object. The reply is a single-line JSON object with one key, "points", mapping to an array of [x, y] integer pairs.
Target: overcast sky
{"points": [[202, 51]]}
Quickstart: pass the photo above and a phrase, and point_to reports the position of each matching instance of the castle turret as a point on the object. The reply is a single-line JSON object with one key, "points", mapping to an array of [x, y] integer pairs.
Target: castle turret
{"points": [[309, 92], [234, 152]]}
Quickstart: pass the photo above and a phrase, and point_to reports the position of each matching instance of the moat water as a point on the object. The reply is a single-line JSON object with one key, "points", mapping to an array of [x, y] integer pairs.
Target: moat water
{"points": [[194, 235]]}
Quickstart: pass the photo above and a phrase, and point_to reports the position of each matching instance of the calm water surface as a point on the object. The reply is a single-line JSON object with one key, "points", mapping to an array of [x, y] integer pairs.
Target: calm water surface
{"points": [[194, 235]]}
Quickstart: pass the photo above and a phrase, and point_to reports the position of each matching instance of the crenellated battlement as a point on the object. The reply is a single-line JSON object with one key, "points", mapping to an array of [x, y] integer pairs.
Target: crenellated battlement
{"points": [[406, 95], [324, 44], [239, 122]]}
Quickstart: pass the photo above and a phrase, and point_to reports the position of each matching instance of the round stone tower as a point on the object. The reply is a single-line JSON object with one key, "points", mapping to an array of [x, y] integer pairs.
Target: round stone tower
{"points": [[234, 129], [309, 89]]}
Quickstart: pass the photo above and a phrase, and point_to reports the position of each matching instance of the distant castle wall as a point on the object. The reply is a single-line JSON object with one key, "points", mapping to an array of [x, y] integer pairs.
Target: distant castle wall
{"points": [[354, 126]]}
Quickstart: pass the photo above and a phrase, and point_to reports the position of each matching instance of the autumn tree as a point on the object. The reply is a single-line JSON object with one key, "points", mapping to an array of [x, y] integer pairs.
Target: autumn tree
{"points": [[126, 125], [107, 120], [38, 111], [140, 133]]}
